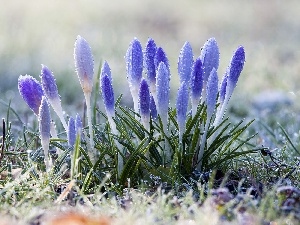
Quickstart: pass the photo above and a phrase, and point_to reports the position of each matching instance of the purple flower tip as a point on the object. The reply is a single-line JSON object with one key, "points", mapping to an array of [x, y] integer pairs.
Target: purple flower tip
{"points": [[211, 92], [71, 132], [105, 70], [48, 83], [210, 57], [223, 86], [134, 62], [236, 65], [162, 88], [153, 110], [182, 105], [108, 95], [144, 99], [31, 91], [160, 56], [185, 62], [84, 64], [44, 119], [149, 55], [197, 79]]}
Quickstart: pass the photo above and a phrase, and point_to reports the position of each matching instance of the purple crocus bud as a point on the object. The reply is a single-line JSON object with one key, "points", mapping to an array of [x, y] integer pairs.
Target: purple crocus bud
{"points": [[185, 62], [84, 64], [210, 57], [160, 56], [51, 92], [235, 69], [181, 107], [196, 84], [134, 69], [71, 132], [144, 100], [78, 125], [163, 91], [222, 92], [105, 70], [153, 110], [149, 65], [44, 128], [211, 93], [31, 91], [108, 95]]}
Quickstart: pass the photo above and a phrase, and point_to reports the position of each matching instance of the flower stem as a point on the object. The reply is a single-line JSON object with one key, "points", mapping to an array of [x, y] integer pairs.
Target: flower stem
{"points": [[89, 117]]}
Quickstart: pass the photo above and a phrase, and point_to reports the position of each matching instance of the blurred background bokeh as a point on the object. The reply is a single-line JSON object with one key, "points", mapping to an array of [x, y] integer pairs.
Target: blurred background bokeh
{"points": [[43, 32]]}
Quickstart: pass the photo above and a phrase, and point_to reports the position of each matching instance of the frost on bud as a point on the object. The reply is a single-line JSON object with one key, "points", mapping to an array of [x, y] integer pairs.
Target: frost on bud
{"points": [[51, 92], [222, 92], [211, 92], [210, 57], [144, 100], [78, 125], [134, 62], [108, 95], [84, 64], [44, 128], [71, 132], [31, 91], [105, 70], [181, 107], [153, 111], [160, 56], [149, 65], [185, 62], [163, 91], [134, 69], [196, 84], [235, 69]]}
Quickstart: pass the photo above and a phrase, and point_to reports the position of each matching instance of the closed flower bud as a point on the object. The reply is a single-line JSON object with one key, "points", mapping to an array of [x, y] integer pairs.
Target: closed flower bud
{"points": [[108, 95], [105, 70], [144, 100], [210, 57], [163, 91], [84, 64], [160, 56], [44, 128], [78, 125], [211, 93], [196, 84], [31, 91], [153, 110], [181, 107], [71, 132], [223, 86], [51, 92], [185, 62], [149, 55]]}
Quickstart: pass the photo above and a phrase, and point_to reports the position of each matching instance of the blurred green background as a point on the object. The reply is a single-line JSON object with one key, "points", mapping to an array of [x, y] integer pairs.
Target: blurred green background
{"points": [[43, 32]]}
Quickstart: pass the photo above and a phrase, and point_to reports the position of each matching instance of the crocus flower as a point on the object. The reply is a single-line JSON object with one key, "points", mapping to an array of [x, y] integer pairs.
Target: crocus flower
{"points": [[134, 69], [105, 70], [153, 111], [181, 107], [50, 90], [160, 56], [109, 101], [210, 57], [222, 92], [144, 103], [84, 64], [185, 62], [31, 91], [163, 91], [71, 132], [44, 128], [211, 98], [78, 125], [149, 65], [232, 75], [196, 84]]}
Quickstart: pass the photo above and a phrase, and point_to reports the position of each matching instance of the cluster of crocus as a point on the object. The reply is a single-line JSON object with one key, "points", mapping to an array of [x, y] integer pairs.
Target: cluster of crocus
{"points": [[198, 81]]}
